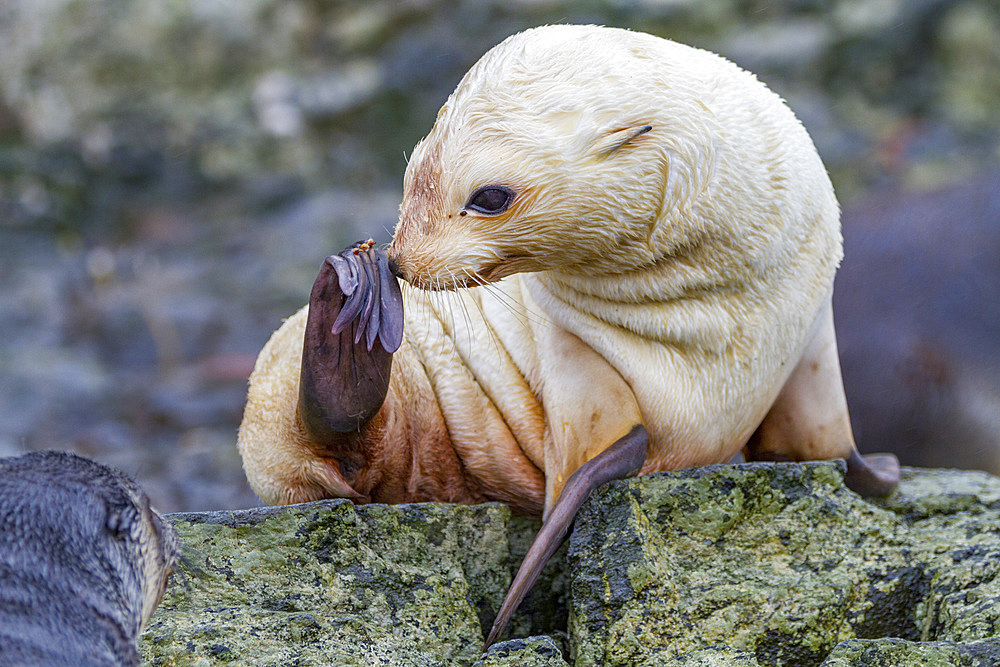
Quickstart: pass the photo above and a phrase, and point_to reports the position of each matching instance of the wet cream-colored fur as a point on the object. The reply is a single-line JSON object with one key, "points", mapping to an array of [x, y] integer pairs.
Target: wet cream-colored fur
{"points": [[672, 276]]}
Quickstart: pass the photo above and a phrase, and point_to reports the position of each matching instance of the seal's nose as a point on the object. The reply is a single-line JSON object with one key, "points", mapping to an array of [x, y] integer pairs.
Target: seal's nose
{"points": [[394, 268], [399, 259]]}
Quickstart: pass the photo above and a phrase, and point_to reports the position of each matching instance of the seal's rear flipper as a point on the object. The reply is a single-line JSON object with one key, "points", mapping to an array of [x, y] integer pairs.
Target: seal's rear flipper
{"points": [[622, 459], [809, 419], [872, 476], [355, 323]]}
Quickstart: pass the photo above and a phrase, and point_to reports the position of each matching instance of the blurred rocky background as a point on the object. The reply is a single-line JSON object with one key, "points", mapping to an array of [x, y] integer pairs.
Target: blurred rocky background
{"points": [[173, 173]]}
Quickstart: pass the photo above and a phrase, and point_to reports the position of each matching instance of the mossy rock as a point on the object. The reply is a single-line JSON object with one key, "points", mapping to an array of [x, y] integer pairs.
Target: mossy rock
{"points": [[537, 651], [756, 564], [893, 652], [780, 563], [331, 583]]}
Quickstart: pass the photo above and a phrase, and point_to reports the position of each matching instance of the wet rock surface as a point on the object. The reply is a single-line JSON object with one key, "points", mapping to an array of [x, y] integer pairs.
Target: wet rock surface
{"points": [[328, 583], [890, 652], [781, 564], [172, 176], [755, 564], [537, 651]]}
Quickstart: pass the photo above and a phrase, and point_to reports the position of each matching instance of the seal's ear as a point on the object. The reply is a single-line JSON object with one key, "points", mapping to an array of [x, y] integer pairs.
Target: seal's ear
{"points": [[122, 517], [615, 139]]}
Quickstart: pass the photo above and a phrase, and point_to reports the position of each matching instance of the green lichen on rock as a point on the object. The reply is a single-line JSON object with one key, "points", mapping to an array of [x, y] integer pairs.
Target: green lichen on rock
{"points": [[712, 656], [955, 522], [331, 583], [780, 561], [750, 565], [893, 652], [537, 651]]}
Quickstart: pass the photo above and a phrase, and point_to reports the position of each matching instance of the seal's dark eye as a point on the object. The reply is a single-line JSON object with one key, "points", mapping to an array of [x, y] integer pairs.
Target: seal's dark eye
{"points": [[491, 199]]}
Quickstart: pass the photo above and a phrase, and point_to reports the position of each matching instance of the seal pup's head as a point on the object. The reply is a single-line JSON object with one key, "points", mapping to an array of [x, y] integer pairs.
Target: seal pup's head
{"points": [[592, 152], [80, 542], [550, 137]]}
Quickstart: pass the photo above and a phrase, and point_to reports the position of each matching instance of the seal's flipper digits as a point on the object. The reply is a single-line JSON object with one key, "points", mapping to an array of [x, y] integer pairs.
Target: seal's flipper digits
{"points": [[622, 459], [368, 327], [872, 476], [349, 271], [346, 363], [390, 330]]}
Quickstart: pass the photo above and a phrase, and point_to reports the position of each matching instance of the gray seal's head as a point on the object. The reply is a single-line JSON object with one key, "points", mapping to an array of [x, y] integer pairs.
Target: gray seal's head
{"points": [[84, 561]]}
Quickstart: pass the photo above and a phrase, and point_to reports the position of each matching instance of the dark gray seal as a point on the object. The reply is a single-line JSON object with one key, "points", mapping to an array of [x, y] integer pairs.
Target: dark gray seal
{"points": [[84, 561], [918, 320]]}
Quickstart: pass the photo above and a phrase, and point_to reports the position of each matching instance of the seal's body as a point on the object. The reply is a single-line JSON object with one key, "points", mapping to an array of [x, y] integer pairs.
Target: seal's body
{"points": [[652, 238], [84, 561], [665, 239]]}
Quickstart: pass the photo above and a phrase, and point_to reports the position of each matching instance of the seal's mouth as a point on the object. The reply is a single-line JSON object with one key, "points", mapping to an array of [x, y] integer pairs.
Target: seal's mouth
{"points": [[461, 265], [468, 278], [495, 272], [507, 266], [434, 284]]}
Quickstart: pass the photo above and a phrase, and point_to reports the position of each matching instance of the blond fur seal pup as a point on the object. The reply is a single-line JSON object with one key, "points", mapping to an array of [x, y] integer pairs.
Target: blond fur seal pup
{"points": [[84, 561], [658, 238]]}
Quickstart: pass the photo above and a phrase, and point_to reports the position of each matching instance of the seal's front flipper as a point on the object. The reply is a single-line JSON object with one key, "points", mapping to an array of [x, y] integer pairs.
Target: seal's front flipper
{"points": [[354, 325], [872, 476], [622, 459]]}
